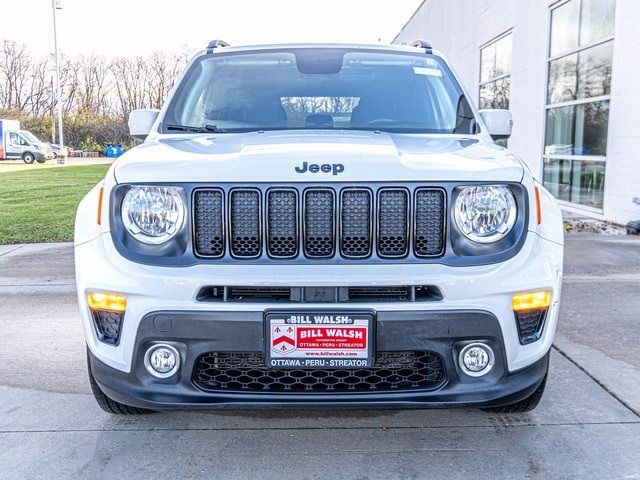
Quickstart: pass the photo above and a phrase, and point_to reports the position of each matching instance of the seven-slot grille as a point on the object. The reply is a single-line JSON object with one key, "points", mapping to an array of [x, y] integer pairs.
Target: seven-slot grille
{"points": [[319, 222]]}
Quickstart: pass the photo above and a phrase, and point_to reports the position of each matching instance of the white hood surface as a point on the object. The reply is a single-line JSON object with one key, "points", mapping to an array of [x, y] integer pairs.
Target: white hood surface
{"points": [[273, 156]]}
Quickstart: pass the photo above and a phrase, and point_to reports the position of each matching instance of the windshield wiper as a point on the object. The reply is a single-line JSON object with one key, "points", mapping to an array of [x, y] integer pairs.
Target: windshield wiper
{"points": [[188, 128]]}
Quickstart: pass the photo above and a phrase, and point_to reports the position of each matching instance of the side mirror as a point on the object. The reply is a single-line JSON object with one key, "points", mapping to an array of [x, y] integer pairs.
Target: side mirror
{"points": [[498, 122], [141, 121]]}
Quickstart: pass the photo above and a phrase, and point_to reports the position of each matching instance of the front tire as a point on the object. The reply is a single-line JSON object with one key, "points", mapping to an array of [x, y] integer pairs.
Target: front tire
{"points": [[28, 158], [108, 405], [526, 405]]}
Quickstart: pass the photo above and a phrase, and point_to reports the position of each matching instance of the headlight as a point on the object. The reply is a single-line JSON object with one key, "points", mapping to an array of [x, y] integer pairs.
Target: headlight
{"points": [[153, 215], [485, 213]]}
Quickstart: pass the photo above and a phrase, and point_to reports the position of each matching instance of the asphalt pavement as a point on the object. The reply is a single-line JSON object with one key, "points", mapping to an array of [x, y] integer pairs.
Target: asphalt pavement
{"points": [[587, 424]]}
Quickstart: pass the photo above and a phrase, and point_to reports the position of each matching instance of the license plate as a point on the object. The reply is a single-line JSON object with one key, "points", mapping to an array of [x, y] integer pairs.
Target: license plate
{"points": [[319, 340]]}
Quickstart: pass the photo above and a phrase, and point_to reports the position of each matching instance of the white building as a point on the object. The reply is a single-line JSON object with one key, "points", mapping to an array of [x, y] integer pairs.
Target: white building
{"points": [[569, 70]]}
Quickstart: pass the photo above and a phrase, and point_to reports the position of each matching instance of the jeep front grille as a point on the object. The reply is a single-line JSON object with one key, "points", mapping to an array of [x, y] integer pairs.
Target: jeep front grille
{"points": [[319, 223], [209, 222], [246, 214], [282, 223], [355, 236], [351, 223], [429, 227], [393, 222]]}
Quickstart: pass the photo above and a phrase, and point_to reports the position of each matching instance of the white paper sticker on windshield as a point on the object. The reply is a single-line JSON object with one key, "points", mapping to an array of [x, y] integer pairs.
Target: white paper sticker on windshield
{"points": [[432, 72]]}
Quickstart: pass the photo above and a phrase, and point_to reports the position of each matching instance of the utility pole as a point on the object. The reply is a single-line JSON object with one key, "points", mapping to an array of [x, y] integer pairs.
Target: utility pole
{"points": [[57, 5], [53, 110]]}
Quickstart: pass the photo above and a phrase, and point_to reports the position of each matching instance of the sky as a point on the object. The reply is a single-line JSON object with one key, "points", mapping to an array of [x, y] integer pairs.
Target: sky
{"points": [[139, 27]]}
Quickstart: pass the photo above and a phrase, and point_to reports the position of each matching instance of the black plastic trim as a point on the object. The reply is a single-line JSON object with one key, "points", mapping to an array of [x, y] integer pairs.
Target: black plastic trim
{"points": [[445, 223], [372, 208], [458, 251], [195, 333], [297, 295], [534, 337], [409, 215], [334, 242], [229, 214], [101, 336], [266, 222], [224, 221]]}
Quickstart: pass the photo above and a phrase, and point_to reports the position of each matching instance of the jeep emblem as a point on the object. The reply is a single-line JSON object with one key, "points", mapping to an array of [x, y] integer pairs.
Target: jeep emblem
{"points": [[334, 168]]}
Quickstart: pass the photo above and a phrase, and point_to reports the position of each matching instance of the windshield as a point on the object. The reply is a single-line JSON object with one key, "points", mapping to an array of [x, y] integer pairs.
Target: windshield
{"points": [[30, 136], [319, 88]]}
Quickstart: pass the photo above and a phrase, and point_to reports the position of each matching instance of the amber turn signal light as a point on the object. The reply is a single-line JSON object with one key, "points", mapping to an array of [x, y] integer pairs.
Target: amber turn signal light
{"points": [[531, 301], [538, 207], [113, 302], [100, 194]]}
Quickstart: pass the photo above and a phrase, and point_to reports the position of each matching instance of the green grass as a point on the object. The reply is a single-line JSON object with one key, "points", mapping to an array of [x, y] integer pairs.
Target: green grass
{"points": [[39, 205]]}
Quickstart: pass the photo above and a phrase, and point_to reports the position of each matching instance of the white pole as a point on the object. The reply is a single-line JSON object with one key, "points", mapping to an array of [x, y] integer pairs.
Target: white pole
{"points": [[52, 98], [56, 5]]}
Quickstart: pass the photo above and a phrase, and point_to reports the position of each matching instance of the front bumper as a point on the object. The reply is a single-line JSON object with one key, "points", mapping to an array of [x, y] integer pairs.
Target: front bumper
{"points": [[194, 334], [486, 288], [42, 155]]}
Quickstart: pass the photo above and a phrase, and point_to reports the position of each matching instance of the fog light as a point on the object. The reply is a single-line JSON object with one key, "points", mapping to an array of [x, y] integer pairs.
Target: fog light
{"points": [[162, 361], [476, 359]]}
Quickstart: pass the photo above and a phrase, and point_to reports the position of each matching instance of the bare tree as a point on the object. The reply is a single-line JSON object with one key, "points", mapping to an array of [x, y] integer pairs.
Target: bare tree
{"points": [[129, 76], [15, 64], [69, 82], [94, 85], [97, 93], [40, 88]]}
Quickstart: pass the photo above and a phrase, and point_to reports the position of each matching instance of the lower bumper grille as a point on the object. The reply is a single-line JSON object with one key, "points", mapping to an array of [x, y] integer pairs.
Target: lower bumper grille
{"points": [[107, 325], [530, 325], [246, 372]]}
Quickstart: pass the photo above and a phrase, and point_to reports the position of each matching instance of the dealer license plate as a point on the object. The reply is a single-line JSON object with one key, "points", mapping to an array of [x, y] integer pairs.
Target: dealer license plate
{"points": [[319, 340]]}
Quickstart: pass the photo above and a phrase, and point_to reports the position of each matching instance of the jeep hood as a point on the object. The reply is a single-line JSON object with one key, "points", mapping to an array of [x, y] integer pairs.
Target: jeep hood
{"points": [[274, 156]]}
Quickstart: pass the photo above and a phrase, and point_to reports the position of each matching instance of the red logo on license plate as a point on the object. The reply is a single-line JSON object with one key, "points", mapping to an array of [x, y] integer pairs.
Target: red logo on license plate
{"points": [[339, 338], [283, 339]]}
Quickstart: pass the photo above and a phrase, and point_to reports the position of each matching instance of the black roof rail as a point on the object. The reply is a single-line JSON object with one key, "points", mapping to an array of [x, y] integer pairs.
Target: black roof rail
{"points": [[213, 44], [423, 44]]}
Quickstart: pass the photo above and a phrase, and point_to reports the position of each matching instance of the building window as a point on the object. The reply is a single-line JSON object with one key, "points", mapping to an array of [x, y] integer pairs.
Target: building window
{"points": [[495, 72], [578, 94]]}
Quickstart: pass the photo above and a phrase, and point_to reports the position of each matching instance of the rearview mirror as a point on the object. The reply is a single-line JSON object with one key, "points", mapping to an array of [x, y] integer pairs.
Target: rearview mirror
{"points": [[499, 123], [141, 121]]}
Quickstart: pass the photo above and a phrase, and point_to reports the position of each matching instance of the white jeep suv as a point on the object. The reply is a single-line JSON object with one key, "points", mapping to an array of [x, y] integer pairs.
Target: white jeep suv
{"points": [[318, 225]]}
